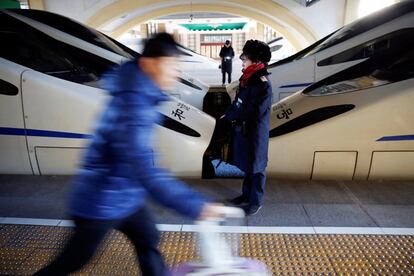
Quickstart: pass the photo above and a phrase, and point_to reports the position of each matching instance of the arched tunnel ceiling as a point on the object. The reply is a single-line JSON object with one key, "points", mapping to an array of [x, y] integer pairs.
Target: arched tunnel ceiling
{"points": [[264, 11]]}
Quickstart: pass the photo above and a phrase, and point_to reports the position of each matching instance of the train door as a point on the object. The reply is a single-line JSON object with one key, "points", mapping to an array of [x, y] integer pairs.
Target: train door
{"points": [[14, 157], [60, 116]]}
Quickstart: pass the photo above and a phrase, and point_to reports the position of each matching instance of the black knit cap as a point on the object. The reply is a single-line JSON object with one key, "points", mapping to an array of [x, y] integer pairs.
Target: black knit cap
{"points": [[161, 45], [256, 51]]}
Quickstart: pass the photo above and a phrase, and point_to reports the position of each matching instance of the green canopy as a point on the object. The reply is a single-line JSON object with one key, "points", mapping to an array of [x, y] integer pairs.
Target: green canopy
{"points": [[214, 26], [9, 4]]}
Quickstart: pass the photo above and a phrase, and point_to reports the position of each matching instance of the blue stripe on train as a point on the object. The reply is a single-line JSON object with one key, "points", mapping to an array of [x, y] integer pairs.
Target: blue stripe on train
{"points": [[42, 133], [295, 85], [396, 138]]}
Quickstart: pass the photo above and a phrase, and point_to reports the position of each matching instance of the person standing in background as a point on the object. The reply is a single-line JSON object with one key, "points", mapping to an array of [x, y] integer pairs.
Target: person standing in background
{"points": [[226, 55]]}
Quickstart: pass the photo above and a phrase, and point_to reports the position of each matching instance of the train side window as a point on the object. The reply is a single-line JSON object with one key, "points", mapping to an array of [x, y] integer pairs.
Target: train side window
{"points": [[275, 48], [178, 127], [186, 82], [6, 88], [371, 48], [184, 53], [310, 118]]}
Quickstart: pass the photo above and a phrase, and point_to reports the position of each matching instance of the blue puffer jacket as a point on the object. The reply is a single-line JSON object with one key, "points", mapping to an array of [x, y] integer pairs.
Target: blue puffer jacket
{"points": [[118, 172]]}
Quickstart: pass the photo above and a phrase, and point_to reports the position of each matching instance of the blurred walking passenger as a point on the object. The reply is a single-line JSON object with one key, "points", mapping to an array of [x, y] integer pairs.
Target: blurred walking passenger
{"points": [[117, 174]]}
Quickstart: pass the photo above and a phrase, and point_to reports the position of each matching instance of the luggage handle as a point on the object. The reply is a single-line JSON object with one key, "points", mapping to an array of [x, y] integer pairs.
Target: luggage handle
{"points": [[214, 250], [228, 212]]}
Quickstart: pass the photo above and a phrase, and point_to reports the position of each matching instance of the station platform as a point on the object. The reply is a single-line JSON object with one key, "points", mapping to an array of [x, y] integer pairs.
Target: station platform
{"points": [[26, 248], [305, 228]]}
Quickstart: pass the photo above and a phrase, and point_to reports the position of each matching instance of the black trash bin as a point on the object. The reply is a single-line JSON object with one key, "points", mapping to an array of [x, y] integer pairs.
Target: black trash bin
{"points": [[216, 103]]}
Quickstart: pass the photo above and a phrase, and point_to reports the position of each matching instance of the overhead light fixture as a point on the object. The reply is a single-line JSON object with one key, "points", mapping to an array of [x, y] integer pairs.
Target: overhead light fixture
{"points": [[191, 12], [307, 3]]}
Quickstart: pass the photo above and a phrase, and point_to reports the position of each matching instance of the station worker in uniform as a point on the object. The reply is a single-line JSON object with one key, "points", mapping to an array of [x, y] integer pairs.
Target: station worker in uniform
{"points": [[226, 55], [250, 114], [117, 173]]}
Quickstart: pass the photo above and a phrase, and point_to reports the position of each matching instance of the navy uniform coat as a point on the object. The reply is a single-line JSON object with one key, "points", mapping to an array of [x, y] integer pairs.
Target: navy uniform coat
{"points": [[250, 113], [117, 171]]}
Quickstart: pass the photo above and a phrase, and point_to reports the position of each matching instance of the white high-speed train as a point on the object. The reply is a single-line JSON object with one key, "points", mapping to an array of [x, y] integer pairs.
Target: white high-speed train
{"points": [[350, 45], [206, 69], [50, 67], [190, 64], [354, 125], [187, 88], [193, 62], [189, 61], [280, 49]]}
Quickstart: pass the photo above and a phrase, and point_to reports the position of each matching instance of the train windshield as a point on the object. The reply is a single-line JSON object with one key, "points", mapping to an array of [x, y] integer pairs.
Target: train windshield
{"points": [[353, 29], [390, 67], [34, 49], [78, 30]]}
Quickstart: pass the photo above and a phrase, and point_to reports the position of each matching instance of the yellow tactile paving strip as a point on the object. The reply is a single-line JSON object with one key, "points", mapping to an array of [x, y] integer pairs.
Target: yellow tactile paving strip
{"points": [[25, 248]]}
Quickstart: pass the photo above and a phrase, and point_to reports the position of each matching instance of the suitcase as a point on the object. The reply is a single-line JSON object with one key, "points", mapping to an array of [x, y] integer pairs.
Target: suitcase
{"points": [[216, 255]]}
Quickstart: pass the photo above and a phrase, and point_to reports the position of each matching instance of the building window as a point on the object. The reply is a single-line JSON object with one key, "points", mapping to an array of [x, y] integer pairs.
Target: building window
{"points": [[192, 44], [215, 38]]}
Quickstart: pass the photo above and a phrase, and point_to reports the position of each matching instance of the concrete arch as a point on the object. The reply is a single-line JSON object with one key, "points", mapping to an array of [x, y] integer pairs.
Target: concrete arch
{"points": [[265, 11]]}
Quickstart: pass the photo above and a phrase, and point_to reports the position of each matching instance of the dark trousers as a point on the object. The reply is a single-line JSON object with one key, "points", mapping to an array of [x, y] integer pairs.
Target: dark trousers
{"points": [[138, 227], [253, 187], [224, 77]]}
